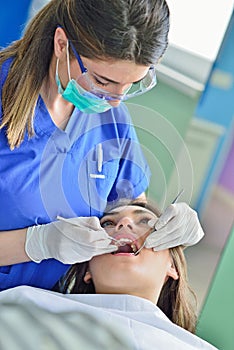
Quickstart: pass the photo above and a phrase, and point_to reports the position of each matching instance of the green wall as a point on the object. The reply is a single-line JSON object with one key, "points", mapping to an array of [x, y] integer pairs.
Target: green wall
{"points": [[177, 107], [161, 117], [216, 323]]}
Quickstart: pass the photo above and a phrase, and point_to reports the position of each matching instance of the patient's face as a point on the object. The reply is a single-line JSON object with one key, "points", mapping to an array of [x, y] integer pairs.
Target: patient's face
{"points": [[122, 272], [128, 224]]}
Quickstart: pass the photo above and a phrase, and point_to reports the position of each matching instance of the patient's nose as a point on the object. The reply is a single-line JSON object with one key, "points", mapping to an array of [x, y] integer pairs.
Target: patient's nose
{"points": [[124, 222]]}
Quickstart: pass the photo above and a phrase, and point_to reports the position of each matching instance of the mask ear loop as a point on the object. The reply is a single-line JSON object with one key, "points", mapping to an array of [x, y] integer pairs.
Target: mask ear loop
{"points": [[60, 88], [68, 61], [57, 63]]}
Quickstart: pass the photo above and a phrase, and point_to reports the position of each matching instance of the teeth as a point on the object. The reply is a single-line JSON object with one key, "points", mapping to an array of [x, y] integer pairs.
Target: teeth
{"points": [[123, 241], [134, 248]]}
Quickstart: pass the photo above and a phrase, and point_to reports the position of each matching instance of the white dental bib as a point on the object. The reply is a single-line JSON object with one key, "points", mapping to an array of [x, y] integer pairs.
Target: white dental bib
{"points": [[143, 325]]}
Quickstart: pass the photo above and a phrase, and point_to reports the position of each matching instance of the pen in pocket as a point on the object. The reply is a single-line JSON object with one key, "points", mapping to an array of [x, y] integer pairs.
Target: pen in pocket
{"points": [[99, 157]]}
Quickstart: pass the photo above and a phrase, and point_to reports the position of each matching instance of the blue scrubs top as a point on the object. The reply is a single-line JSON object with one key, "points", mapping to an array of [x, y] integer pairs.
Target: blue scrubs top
{"points": [[72, 172]]}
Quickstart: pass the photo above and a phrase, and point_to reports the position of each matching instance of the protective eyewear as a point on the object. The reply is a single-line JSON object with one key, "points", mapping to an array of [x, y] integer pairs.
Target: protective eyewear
{"points": [[135, 89]]}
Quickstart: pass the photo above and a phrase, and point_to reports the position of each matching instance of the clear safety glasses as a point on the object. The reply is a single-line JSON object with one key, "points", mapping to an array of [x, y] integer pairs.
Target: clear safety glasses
{"points": [[87, 81]]}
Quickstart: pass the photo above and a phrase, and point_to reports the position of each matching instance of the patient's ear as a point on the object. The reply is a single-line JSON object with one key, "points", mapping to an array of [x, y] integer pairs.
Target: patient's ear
{"points": [[88, 277], [172, 272]]}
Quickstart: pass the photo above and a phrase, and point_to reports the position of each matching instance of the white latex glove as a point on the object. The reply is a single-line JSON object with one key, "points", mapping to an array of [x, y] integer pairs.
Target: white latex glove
{"points": [[178, 225], [68, 240]]}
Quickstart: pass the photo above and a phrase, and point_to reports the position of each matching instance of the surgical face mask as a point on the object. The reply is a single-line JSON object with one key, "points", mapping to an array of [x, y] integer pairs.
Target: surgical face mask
{"points": [[84, 100]]}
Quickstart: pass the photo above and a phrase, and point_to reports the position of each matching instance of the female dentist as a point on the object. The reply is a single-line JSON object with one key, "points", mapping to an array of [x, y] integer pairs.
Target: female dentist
{"points": [[67, 141]]}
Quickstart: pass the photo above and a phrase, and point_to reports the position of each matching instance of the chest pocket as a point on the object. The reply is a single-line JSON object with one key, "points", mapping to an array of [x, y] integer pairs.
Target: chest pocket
{"points": [[100, 184]]}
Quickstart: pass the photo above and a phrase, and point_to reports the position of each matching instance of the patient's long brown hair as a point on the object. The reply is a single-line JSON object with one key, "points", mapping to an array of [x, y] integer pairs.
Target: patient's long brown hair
{"points": [[176, 300]]}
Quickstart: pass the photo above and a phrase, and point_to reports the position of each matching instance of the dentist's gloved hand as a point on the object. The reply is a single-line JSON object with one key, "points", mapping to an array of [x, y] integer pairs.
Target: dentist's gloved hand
{"points": [[178, 225], [68, 240]]}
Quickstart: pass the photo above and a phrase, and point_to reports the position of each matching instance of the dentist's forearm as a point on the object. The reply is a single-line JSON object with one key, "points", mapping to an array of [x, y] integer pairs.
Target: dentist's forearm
{"points": [[12, 247]]}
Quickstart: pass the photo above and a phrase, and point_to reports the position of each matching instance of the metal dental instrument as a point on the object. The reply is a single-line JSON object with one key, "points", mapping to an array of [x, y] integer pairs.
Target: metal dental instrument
{"points": [[177, 197], [173, 202], [141, 247]]}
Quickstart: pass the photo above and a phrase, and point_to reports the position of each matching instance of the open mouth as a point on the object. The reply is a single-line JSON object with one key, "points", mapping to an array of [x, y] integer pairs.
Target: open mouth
{"points": [[128, 248]]}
